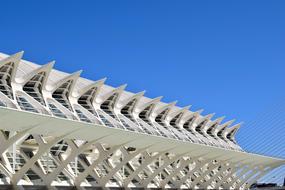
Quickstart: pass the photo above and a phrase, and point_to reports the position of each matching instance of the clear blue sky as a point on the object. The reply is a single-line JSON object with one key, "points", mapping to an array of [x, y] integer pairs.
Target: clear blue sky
{"points": [[224, 56]]}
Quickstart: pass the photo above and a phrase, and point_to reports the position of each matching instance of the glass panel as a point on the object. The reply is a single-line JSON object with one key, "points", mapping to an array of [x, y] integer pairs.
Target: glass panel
{"points": [[55, 111], [2, 104], [25, 105], [59, 148], [82, 116], [34, 87], [61, 94], [5, 79], [86, 100]]}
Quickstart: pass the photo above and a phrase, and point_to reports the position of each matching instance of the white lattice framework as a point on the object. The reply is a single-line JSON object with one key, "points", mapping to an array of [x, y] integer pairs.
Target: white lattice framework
{"points": [[59, 129]]}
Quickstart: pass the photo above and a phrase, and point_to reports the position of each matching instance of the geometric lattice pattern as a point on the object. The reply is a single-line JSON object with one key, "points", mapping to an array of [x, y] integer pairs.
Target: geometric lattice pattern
{"points": [[62, 130]]}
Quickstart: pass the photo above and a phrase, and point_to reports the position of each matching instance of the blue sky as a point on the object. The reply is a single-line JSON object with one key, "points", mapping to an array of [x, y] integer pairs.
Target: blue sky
{"points": [[226, 57]]}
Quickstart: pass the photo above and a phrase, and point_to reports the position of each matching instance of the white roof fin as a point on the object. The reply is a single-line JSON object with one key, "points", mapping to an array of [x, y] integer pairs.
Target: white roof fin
{"points": [[219, 120], [135, 96], [118, 90], [140, 108], [45, 68], [231, 131], [181, 110], [74, 76], [163, 108], [96, 84], [15, 58], [209, 116]]}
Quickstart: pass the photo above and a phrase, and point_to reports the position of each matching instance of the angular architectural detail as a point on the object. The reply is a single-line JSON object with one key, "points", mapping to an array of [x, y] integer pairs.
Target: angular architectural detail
{"points": [[34, 82], [61, 92], [59, 129], [8, 67]]}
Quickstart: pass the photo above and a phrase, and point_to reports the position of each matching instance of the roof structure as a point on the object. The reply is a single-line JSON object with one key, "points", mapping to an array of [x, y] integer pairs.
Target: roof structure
{"points": [[92, 134]]}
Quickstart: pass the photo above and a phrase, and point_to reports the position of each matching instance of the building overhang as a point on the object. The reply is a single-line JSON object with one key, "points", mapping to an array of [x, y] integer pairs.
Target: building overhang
{"points": [[15, 120]]}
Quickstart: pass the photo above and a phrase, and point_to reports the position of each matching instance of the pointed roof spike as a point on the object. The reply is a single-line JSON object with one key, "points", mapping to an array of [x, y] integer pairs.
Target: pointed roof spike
{"points": [[49, 64], [199, 111], [192, 114], [232, 131], [226, 131], [163, 108], [83, 90], [126, 101], [169, 105], [74, 76], [179, 114], [141, 93], [77, 73], [181, 110], [187, 107], [157, 99], [231, 122], [101, 81], [209, 116], [137, 95], [18, 55], [205, 119], [223, 126], [122, 87], [184, 109], [214, 124], [47, 68], [15, 58], [140, 108], [228, 123], [220, 119], [118, 90], [237, 126], [173, 103]]}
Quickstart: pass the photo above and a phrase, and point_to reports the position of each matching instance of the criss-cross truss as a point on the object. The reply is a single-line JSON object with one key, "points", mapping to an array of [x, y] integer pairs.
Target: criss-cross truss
{"points": [[62, 130], [5, 79]]}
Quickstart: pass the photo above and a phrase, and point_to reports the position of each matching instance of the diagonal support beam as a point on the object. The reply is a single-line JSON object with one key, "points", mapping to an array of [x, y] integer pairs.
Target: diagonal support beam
{"points": [[127, 157], [44, 147], [167, 162], [148, 160], [102, 156], [211, 166], [174, 173]]}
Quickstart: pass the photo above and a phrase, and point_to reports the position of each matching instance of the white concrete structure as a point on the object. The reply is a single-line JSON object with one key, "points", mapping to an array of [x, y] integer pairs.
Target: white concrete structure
{"points": [[57, 129]]}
